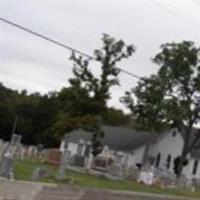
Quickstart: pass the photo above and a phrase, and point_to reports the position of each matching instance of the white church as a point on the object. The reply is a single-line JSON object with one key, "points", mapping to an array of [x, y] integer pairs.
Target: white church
{"points": [[131, 148]]}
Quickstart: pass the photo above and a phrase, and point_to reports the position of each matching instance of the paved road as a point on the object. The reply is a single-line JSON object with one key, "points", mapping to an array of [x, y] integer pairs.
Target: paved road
{"points": [[17, 190], [80, 193]]}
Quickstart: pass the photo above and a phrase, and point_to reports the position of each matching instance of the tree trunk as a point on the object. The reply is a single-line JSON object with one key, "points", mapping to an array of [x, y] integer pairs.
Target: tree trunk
{"points": [[181, 164], [184, 151]]}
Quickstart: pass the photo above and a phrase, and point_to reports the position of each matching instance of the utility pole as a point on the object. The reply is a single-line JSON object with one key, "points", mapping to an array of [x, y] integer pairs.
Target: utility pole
{"points": [[14, 126]]}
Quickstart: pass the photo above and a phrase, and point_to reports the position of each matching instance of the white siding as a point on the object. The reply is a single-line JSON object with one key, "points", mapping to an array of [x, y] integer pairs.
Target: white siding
{"points": [[188, 170], [168, 145], [136, 156], [72, 147]]}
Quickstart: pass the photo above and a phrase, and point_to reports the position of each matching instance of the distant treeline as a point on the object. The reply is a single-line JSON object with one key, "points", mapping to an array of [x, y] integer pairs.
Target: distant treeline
{"points": [[43, 119]]}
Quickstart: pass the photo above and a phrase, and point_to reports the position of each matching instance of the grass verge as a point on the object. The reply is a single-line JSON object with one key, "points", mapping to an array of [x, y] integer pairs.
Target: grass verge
{"points": [[24, 170]]}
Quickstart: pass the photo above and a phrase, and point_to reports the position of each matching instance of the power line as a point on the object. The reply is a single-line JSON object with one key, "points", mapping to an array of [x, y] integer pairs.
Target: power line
{"points": [[46, 38], [60, 44], [130, 73], [176, 14]]}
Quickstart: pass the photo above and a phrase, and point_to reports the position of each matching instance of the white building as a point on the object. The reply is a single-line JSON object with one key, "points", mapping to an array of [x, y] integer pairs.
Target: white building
{"points": [[133, 148], [168, 147]]}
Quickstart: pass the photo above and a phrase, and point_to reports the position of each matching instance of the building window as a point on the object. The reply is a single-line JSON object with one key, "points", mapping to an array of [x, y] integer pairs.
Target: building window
{"points": [[168, 161], [158, 159], [195, 167]]}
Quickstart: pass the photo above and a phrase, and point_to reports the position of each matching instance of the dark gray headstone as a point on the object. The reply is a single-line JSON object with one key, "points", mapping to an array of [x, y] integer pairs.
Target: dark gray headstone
{"points": [[39, 173], [79, 161], [6, 169], [87, 150], [65, 159]]}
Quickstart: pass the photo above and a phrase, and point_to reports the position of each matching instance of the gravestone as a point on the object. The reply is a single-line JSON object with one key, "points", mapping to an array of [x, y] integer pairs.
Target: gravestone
{"points": [[88, 156], [80, 147], [6, 169], [65, 159], [22, 152], [183, 182], [26, 153], [100, 163], [4, 147], [82, 150], [132, 173], [14, 145], [34, 151], [118, 166], [87, 149], [30, 151], [79, 161], [40, 150], [1, 149], [163, 178], [116, 170], [53, 156], [64, 164], [39, 173]]}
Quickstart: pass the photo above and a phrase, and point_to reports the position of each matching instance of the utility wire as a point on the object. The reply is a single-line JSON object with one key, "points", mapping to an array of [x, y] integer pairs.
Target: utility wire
{"points": [[176, 14], [46, 38], [60, 44], [129, 73]]}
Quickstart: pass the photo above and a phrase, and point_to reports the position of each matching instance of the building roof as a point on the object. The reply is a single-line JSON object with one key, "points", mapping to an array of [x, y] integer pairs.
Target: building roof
{"points": [[116, 138]]}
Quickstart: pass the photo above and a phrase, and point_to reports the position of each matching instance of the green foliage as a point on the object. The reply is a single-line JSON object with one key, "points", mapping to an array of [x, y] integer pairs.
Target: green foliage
{"points": [[98, 88], [64, 123], [45, 119], [172, 96], [116, 117], [35, 114]]}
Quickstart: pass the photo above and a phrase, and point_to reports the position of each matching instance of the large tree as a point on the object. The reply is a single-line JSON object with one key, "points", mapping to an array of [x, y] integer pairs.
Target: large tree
{"points": [[98, 87], [172, 96], [43, 119]]}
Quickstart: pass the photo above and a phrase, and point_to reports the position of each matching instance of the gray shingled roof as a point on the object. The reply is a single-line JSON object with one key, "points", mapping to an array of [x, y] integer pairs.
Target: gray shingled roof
{"points": [[116, 138]]}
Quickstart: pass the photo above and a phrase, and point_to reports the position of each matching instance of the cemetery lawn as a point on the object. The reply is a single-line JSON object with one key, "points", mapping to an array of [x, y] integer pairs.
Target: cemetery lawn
{"points": [[24, 170]]}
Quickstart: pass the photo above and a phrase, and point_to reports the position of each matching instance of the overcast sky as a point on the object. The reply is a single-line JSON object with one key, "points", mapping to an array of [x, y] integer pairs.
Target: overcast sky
{"points": [[28, 62]]}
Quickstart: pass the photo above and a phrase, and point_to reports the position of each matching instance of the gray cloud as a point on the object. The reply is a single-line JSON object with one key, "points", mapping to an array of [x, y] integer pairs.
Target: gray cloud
{"points": [[31, 63]]}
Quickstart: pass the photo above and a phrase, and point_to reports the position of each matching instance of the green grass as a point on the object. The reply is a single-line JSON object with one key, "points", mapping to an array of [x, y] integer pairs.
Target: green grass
{"points": [[24, 170]]}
